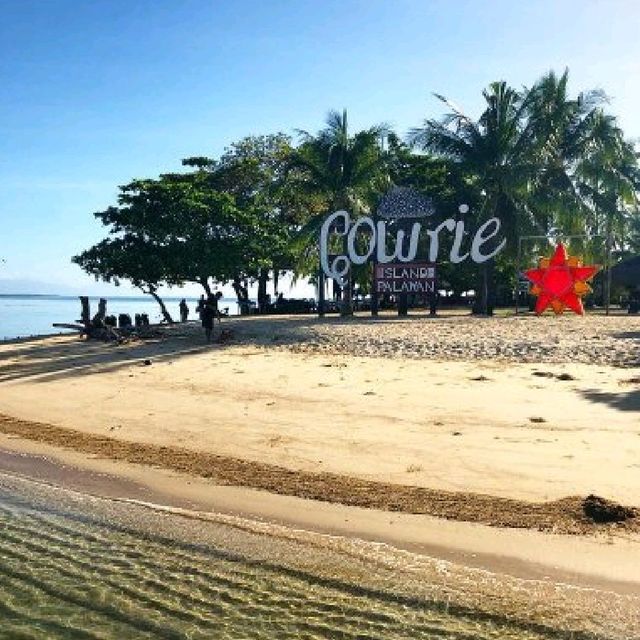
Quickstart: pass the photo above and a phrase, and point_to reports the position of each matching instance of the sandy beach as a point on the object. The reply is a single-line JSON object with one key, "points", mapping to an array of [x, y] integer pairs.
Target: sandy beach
{"points": [[473, 440]]}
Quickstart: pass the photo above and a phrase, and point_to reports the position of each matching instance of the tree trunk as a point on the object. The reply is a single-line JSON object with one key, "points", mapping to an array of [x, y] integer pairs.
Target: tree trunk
{"points": [[263, 278], [165, 314], [403, 304], [242, 295], [276, 277], [85, 313], [374, 288], [205, 285], [607, 278], [321, 296], [346, 308], [488, 288], [98, 319]]}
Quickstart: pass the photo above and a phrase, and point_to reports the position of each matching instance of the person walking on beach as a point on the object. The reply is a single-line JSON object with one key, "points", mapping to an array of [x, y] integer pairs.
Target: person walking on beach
{"points": [[207, 315], [184, 310]]}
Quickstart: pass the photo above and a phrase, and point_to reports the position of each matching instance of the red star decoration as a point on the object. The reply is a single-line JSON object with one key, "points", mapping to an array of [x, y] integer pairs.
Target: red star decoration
{"points": [[560, 282]]}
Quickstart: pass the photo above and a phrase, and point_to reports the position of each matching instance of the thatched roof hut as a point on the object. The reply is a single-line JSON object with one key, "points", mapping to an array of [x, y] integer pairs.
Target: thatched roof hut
{"points": [[627, 273]]}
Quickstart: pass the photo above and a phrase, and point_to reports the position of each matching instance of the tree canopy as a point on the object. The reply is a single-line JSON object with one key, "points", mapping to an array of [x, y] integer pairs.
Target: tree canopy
{"points": [[543, 161]]}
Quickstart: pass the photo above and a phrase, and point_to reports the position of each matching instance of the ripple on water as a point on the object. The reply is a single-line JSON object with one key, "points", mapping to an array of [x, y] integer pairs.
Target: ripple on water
{"points": [[74, 566]]}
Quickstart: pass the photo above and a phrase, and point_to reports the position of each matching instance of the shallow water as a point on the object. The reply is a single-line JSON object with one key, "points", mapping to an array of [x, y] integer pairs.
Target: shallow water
{"points": [[75, 566], [27, 315]]}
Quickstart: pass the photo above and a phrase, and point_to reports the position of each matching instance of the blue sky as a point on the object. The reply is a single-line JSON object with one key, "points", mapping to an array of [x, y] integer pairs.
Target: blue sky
{"points": [[95, 93]]}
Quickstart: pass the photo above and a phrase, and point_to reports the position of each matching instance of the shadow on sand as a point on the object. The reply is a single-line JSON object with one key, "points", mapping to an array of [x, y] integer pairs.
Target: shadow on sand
{"points": [[51, 358], [65, 357], [624, 401]]}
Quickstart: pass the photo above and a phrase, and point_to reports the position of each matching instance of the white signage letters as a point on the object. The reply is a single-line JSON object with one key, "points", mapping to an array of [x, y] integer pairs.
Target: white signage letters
{"points": [[338, 267]]}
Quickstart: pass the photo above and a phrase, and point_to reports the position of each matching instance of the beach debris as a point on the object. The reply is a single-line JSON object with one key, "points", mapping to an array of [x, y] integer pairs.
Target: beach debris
{"points": [[146, 363], [635, 380], [537, 419], [369, 393], [226, 335], [601, 511], [550, 374], [456, 433], [480, 379]]}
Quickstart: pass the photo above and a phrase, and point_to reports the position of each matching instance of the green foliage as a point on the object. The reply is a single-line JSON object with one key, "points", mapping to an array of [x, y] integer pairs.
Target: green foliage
{"points": [[176, 229], [545, 162]]}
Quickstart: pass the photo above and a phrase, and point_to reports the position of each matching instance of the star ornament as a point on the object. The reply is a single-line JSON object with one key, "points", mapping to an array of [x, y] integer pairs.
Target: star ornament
{"points": [[560, 282]]}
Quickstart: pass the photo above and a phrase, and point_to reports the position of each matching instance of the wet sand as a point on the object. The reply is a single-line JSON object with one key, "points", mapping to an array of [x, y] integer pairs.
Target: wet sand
{"points": [[607, 561], [566, 515]]}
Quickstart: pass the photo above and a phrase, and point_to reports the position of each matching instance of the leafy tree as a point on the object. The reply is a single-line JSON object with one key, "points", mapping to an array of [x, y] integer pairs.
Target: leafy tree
{"points": [[128, 258], [255, 172], [497, 150], [173, 230], [346, 171], [532, 156]]}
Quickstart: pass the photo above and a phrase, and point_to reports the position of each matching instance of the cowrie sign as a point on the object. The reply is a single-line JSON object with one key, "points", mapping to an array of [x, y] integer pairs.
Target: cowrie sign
{"points": [[405, 246]]}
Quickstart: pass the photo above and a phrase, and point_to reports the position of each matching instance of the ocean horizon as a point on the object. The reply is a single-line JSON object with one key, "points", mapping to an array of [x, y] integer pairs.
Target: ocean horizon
{"points": [[25, 315]]}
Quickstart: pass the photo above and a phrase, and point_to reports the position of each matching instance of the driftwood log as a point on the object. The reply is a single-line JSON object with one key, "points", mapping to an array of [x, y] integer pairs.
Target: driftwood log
{"points": [[97, 329]]}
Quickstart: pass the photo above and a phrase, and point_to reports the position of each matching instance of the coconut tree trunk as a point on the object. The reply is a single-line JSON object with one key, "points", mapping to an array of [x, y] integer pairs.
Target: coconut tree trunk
{"points": [[488, 287], [346, 308], [321, 296], [403, 304]]}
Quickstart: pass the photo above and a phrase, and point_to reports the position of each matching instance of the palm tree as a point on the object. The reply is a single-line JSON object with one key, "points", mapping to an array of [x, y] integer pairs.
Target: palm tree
{"points": [[543, 160], [609, 179], [565, 130], [591, 177], [346, 170], [498, 152]]}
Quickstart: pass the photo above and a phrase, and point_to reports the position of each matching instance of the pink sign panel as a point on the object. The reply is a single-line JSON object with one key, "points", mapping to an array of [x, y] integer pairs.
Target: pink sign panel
{"points": [[405, 277]]}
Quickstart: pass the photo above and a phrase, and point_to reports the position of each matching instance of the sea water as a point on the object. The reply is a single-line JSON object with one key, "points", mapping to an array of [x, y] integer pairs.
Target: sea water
{"points": [[31, 315], [78, 566]]}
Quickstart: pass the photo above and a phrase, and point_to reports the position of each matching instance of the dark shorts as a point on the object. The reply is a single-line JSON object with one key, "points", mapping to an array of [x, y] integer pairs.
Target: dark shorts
{"points": [[207, 323]]}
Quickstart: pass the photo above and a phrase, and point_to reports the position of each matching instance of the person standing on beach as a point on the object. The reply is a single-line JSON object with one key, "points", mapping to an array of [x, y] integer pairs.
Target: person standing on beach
{"points": [[184, 310], [216, 301], [200, 306]]}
